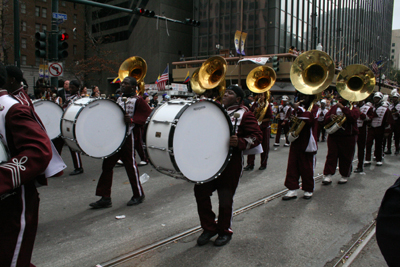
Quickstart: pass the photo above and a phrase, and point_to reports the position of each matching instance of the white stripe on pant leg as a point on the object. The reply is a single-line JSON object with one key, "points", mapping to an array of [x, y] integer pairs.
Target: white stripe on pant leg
{"points": [[135, 167], [78, 160], [21, 231]]}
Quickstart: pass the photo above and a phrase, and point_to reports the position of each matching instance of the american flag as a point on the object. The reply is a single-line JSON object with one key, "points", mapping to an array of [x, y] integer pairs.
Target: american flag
{"points": [[163, 79]]}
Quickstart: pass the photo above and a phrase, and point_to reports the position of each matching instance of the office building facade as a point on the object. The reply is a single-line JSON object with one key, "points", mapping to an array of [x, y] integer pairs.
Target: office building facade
{"points": [[350, 31]]}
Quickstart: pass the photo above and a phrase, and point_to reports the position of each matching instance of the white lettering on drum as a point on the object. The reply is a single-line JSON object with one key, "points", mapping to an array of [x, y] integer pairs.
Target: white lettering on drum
{"points": [[199, 108], [94, 105]]}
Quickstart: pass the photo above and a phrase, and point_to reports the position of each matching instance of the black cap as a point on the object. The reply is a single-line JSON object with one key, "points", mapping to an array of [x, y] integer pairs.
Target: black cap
{"points": [[238, 91]]}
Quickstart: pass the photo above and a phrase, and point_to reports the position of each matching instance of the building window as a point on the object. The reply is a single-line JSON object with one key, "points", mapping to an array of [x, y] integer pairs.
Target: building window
{"points": [[393, 44], [74, 50], [63, 3], [23, 60], [37, 11], [392, 50], [37, 27], [23, 8], [392, 57], [74, 34], [23, 42], [75, 18], [44, 27], [37, 61], [44, 1], [23, 26], [44, 12]]}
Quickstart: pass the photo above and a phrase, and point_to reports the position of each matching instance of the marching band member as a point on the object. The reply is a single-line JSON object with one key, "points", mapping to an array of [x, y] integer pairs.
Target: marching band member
{"points": [[376, 131], [137, 111], [74, 86], [321, 117], [342, 143], [30, 153], [302, 151], [264, 120], [366, 115], [284, 112], [247, 135], [394, 109]]}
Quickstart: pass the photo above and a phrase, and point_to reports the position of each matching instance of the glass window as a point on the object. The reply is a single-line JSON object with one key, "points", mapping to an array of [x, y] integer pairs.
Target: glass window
{"points": [[23, 8], [37, 61], [44, 27], [37, 11], [74, 50], [23, 60], [74, 34], [392, 50], [63, 3], [44, 12], [37, 27], [393, 44], [23, 26], [23, 42], [75, 18]]}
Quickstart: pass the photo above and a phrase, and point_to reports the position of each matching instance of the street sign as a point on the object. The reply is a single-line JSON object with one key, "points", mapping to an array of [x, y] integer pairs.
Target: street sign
{"points": [[55, 69], [59, 16]]}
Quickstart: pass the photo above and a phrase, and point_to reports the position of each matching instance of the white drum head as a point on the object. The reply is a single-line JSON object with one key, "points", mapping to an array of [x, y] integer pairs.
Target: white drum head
{"points": [[50, 114], [100, 129], [201, 141]]}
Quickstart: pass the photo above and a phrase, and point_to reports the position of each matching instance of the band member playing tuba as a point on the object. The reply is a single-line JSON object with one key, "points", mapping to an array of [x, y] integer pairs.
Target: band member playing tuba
{"points": [[342, 143], [302, 151], [263, 113]]}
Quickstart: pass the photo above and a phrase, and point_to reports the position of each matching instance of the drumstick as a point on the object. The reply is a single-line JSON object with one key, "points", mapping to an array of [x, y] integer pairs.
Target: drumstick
{"points": [[124, 99], [236, 115]]}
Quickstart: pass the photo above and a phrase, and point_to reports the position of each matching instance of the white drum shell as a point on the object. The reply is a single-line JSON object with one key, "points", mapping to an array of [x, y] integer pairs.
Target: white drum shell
{"points": [[190, 138], [94, 126], [50, 114]]}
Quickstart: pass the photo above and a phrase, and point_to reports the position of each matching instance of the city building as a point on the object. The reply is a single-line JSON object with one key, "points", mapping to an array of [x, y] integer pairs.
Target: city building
{"points": [[36, 16], [395, 49]]}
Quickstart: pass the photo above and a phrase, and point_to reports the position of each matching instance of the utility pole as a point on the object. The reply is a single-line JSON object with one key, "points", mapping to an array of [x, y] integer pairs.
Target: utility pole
{"points": [[314, 25], [17, 52], [240, 44], [53, 36]]}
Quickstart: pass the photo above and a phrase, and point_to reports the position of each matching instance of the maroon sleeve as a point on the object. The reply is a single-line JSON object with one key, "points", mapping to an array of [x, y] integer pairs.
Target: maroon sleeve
{"points": [[268, 114], [142, 111], [370, 113], [29, 148], [351, 114], [328, 115], [249, 133]]}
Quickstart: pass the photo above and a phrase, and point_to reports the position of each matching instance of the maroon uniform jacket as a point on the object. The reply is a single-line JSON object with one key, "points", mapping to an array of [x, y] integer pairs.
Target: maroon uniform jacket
{"points": [[350, 125], [268, 114], [311, 120]]}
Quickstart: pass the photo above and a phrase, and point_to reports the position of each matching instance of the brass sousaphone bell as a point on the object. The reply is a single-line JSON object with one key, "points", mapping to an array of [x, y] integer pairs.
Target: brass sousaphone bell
{"points": [[194, 83], [261, 79], [212, 75], [312, 72], [135, 67], [354, 83]]}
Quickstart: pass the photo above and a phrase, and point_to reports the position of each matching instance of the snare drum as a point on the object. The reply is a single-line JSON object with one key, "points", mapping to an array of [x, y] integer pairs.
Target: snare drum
{"points": [[94, 126], [189, 139], [50, 114]]}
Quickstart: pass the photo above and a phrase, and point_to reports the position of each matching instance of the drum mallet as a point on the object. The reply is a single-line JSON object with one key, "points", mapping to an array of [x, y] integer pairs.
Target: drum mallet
{"points": [[236, 115], [124, 99]]}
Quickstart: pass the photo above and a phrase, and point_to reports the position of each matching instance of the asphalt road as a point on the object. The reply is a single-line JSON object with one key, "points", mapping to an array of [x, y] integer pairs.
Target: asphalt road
{"points": [[294, 233]]}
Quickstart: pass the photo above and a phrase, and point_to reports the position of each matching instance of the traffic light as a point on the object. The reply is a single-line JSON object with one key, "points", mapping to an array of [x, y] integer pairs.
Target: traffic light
{"points": [[40, 44], [192, 22], [145, 12], [275, 63], [62, 45]]}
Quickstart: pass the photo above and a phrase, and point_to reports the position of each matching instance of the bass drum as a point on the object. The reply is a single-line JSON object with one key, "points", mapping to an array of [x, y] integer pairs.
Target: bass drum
{"points": [[94, 126], [50, 114], [189, 139]]}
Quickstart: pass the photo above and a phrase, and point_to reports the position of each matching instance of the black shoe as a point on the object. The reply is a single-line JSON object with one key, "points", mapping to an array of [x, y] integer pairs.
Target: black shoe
{"points": [[204, 238], [388, 152], [104, 202], [262, 168], [77, 171], [358, 170], [135, 201], [249, 168], [222, 240]]}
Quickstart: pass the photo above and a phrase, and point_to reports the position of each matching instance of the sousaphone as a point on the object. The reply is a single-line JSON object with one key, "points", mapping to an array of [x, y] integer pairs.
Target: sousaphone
{"points": [[311, 73], [135, 67], [212, 75]]}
